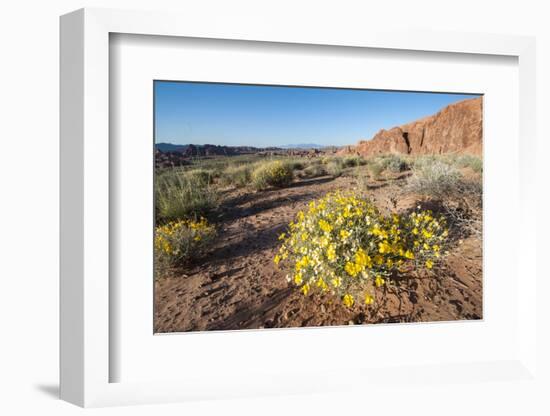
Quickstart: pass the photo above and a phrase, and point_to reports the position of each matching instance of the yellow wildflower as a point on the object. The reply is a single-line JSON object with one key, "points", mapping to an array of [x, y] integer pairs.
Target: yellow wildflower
{"points": [[362, 259], [384, 247], [352, 269], [337, 282], [321, 283], [325, 226], [348, 300], [344, 234], [331, 253]]}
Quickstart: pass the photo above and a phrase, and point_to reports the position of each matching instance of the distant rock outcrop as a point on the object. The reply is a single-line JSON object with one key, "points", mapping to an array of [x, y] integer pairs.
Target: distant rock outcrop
{"points": [[455, 129]]}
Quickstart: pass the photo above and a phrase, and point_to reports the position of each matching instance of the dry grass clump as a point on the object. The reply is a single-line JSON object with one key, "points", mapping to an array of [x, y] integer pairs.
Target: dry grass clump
{"points": [[238, 176], [297, 164], [186, 195], [353, 161], [335, 167], [434, 179], [200, 176], [314, 171], [276, 174], [375, 169], [469, 161]]}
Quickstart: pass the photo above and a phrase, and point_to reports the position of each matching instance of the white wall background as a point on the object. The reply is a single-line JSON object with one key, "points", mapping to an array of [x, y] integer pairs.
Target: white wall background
{"points": [[29, 181]]}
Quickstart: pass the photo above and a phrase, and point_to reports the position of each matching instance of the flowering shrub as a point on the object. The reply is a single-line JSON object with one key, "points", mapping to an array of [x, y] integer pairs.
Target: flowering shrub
{"points": [[179, 241], [342, 245], [277, 174]]}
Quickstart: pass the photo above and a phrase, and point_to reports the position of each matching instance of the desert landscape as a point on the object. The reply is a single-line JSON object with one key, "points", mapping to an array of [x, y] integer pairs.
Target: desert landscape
{"points": [[233, 249]]}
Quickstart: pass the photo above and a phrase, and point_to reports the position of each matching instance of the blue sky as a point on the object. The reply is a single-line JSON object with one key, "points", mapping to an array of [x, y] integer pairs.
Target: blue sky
{"points": [[262, 116]]}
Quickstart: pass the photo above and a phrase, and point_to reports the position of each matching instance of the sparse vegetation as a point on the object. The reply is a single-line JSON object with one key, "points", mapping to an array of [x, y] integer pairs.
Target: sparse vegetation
{"points": [[351, 261]]}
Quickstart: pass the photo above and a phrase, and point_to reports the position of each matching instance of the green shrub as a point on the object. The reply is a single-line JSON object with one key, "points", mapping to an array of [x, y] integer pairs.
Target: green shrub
{"points": [[184, 196], [277, 174], [238, 176], [178, 242]]}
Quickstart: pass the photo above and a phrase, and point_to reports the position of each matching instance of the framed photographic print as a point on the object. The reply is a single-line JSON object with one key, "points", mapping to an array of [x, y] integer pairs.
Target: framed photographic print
{"points": [[247, 212], [386, 230]]}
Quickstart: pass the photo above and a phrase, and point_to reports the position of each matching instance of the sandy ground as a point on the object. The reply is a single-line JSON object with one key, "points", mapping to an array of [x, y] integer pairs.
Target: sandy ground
{"points": [[237, 285]]}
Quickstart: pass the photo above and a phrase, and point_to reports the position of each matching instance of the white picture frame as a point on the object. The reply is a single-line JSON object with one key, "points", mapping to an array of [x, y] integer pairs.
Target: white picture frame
{"points": [[86, 356]]}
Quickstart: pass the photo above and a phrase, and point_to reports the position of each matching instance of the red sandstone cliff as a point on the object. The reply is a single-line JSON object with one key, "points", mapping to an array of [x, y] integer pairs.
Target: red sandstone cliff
{"points": [[457, 128]]}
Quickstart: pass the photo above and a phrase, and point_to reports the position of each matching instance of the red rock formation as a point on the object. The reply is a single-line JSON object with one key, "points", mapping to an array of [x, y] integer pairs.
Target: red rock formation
{"points": [[455, 129]]}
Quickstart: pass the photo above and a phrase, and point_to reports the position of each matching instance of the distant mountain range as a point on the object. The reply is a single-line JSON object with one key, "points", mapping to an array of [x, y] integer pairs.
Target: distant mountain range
{"points": [[302, 146], [212, 149], [190, 150]]}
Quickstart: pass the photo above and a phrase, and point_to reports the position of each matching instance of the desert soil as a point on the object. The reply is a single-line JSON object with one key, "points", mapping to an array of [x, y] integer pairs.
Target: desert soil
{"points": [[237, 285]]}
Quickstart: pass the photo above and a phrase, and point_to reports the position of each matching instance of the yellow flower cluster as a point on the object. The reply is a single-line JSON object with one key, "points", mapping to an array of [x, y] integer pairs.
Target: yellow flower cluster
{"points": [[179, 241], [341, 244]]}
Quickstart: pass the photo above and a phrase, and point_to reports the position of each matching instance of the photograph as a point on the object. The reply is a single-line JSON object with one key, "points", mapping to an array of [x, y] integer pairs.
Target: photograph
{"points": [[282, 206]]}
